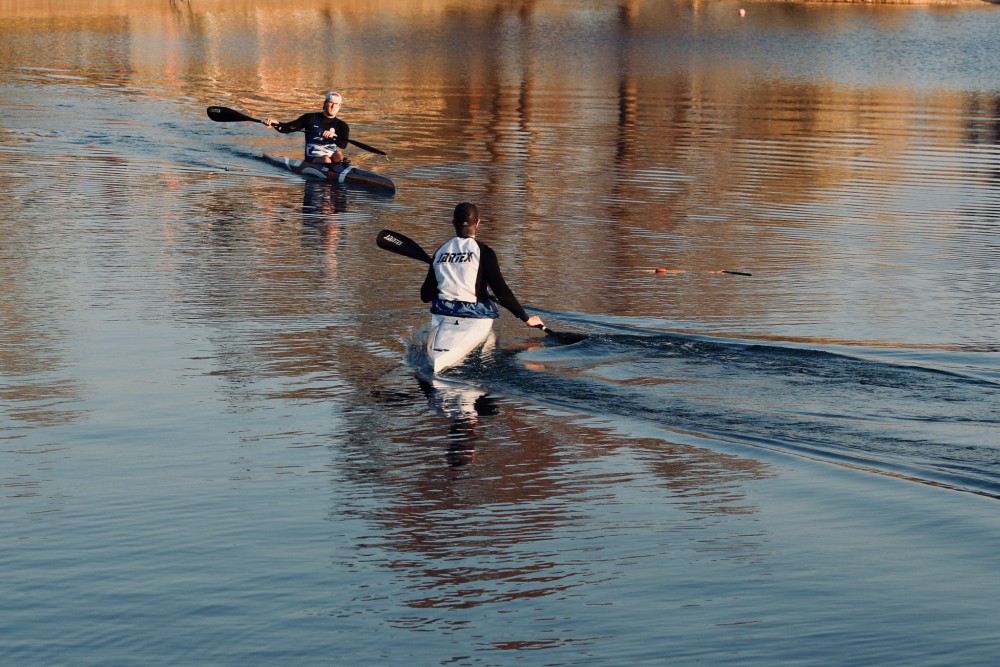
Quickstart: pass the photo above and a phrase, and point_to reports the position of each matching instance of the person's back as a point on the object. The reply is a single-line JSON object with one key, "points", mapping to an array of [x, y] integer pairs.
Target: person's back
{"points": [[464, 271], [456, 266]]}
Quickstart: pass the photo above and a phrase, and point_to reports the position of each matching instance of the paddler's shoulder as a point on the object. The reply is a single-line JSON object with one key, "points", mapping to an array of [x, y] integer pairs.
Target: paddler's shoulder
{"points": [[486, 250]]}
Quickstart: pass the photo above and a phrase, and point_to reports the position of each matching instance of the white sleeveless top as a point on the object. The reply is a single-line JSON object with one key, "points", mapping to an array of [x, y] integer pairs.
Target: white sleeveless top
{"points": [[456, 265]]}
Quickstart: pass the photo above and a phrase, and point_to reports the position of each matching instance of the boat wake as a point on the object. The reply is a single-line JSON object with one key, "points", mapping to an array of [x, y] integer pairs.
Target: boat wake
{"points": [[929, 420]]}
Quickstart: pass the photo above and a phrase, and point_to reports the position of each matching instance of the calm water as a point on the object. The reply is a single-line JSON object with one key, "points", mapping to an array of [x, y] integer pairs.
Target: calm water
{"points": [[219, 444]]}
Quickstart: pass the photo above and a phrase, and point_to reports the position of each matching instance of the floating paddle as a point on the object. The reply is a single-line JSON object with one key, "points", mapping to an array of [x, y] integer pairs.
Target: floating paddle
{"points": [[227, 115], [662, 271], [407, 247]]}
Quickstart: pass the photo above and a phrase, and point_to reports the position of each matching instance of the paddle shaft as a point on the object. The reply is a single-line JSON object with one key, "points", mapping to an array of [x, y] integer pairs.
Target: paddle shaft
{"points": [[227, 115]]}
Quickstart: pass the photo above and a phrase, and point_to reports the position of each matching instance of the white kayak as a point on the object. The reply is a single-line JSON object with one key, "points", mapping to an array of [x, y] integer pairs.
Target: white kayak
{"points": [[452, 338]]}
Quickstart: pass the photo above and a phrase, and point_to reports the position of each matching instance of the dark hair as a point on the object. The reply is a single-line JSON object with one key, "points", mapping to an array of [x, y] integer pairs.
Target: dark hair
{"points": [[465, 215]]}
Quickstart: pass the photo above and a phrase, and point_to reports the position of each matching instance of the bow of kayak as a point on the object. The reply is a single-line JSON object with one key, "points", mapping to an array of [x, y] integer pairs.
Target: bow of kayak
{"points": [[334, 173], [451, 339]]}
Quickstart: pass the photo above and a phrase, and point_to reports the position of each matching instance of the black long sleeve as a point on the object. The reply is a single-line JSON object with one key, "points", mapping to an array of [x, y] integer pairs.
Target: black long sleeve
{"points": [[300, 124], [297, 125], [489, 270], [429, 289]]}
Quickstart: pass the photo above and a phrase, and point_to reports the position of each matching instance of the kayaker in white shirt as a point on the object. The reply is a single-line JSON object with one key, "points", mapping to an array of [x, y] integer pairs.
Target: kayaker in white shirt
{"points": [[464, 272]]}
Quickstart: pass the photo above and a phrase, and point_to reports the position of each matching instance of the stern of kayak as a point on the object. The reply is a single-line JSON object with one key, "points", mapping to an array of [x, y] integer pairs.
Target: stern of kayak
{"points": [[451, 339]]}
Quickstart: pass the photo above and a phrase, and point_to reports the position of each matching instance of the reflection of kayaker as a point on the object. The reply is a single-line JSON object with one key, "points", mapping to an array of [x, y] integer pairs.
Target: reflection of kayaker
{"points": [[463, 286], [463, 405]]}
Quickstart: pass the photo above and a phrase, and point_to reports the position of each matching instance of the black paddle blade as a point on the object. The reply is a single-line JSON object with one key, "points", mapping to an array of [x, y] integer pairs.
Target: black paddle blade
{"points": [[227, 115], [401, 245], [737, 273], [564, 337]]}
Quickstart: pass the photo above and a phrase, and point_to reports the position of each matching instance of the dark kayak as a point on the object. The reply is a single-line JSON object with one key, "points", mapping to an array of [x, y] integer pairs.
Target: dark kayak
{"points": [[335, 173]]}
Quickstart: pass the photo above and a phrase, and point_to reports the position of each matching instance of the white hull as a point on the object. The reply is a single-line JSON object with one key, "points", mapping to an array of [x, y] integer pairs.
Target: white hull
{"points": [[452, 338]]}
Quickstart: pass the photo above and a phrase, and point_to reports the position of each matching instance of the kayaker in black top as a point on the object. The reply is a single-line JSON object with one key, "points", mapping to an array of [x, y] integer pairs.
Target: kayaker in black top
{"points": [[325, 133], [465, 271]]}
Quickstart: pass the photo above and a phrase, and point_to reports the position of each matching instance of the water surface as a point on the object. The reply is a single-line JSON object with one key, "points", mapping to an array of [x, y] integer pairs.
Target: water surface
{"points": [[219, 443]]}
